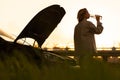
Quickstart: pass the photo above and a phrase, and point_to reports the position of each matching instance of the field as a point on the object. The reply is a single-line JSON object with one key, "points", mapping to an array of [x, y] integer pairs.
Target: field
{"points": [[19, 67], [23, 63]]}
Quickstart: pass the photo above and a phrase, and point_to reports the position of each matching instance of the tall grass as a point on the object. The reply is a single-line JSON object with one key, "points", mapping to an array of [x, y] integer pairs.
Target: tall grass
{"points": [[19, 67]]}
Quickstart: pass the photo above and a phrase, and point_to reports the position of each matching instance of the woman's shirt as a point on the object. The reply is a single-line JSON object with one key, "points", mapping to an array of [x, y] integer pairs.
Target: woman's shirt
{"points": [[84, 40]]}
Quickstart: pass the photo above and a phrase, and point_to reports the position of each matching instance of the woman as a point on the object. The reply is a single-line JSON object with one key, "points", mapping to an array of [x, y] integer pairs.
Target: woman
{"points": [[84, 41]]}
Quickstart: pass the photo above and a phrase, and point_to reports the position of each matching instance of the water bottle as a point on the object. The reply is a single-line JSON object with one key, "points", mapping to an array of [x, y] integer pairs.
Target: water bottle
{"points": [[94, 16]]}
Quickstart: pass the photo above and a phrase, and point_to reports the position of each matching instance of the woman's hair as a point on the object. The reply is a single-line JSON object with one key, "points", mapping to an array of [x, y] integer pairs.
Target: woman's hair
{"points": [[81, 14]]}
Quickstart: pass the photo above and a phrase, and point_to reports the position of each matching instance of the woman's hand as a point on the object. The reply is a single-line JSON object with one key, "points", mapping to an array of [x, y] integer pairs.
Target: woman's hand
{"points": [[98, 17]]}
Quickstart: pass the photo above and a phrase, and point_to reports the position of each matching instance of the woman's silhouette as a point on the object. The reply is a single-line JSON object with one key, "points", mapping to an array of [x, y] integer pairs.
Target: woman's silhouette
{"points": [[84, 41]]}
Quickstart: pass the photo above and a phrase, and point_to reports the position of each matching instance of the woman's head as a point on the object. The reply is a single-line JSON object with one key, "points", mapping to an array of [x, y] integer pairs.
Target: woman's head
{"points": [[83, 14]]}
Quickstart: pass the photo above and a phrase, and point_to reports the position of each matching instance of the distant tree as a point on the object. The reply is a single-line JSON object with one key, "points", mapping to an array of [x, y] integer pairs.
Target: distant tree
{"points": [[67, 48], [113, 49]]}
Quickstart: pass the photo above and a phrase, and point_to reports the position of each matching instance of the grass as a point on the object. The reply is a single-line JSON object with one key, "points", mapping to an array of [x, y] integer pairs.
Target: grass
{"points": [[16, 65]]}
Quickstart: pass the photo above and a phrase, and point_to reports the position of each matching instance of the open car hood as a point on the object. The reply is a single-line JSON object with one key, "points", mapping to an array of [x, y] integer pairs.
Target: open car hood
{"points": [[42, 24]]}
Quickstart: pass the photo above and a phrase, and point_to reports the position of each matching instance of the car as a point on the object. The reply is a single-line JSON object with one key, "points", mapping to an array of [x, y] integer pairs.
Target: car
{"points": [[39, 29]]}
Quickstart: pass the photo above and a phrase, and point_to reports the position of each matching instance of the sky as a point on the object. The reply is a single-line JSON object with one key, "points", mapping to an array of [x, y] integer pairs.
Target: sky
{"points": [[16, 14]]}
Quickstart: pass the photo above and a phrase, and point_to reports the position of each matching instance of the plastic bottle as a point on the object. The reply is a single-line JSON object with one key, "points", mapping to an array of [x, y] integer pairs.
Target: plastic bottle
{"points": [[94, 16]]}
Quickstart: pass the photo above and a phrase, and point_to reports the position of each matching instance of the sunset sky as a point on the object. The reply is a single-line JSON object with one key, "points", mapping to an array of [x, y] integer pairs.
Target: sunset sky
{"points": [[15, 14]]}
